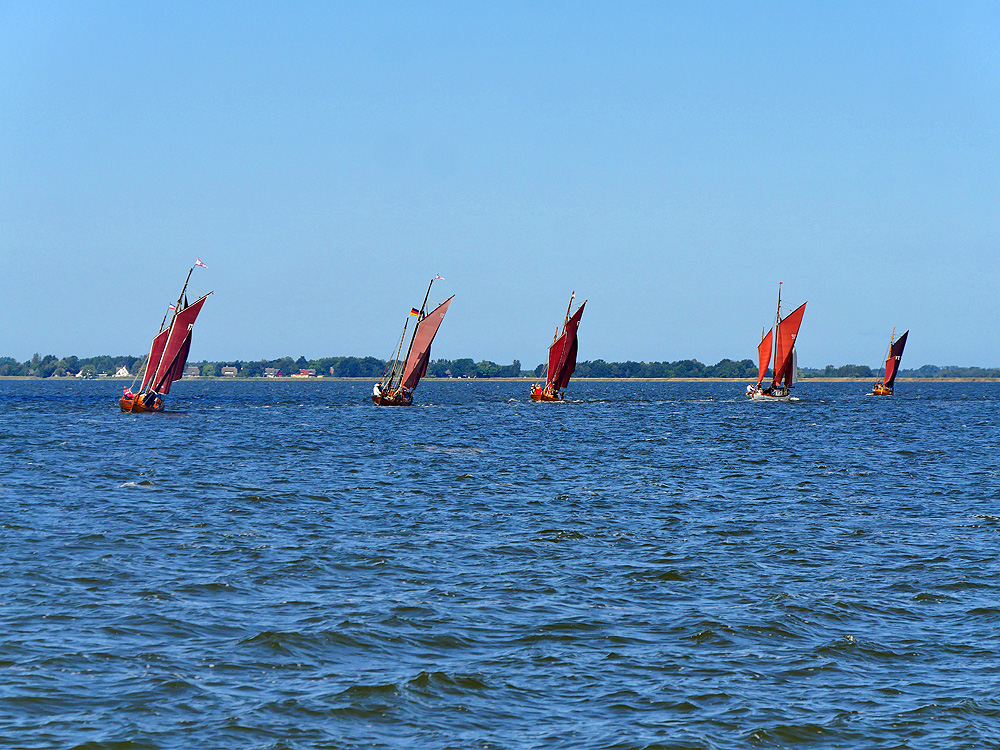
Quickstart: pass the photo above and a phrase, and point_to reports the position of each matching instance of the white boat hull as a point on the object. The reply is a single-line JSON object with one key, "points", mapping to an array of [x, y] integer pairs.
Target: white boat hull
{"points": [[759, 394]]}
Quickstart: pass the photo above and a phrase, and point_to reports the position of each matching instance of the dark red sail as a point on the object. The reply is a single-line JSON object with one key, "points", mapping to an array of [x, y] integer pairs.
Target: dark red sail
{"points": [[892, 363], [788, 329], [562, 353], [763, 356], [155, 354], [178, 344], [420, 347]]}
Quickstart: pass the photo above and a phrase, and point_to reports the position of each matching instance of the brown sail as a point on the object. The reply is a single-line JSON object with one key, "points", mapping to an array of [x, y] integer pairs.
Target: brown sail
{"points": [[155, 354], [562, 353], [892, 363], [420, 346]]}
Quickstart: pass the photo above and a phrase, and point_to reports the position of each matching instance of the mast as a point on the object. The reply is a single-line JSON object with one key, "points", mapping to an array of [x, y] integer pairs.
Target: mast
{"points": [[568, 308], [777, 321], [888, 352], [555, 337], [420, 317]]}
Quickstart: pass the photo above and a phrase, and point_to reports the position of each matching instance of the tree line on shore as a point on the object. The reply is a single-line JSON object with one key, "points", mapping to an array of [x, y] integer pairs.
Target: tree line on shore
{"points": [[373, 368]]}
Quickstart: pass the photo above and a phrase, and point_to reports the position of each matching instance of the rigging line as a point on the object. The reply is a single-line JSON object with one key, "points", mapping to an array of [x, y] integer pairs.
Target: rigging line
{"points": [[402, 338]]}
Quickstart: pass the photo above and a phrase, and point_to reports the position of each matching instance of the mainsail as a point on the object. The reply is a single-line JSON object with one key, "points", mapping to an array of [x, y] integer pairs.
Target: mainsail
{"points": [[562, 353], [420, 345], [170, 348], [892, 363], [787, 330]]}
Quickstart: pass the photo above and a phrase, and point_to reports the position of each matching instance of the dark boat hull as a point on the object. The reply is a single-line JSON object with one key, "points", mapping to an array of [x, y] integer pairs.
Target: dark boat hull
{"points": [[394, 398], [880, 389]]}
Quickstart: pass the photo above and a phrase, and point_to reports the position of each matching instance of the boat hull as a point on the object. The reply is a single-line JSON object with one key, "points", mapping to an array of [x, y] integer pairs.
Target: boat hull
{"points": [[880, 389], [759, 394], [394, 398], [542, 397], [537, 394], [139, 405]]}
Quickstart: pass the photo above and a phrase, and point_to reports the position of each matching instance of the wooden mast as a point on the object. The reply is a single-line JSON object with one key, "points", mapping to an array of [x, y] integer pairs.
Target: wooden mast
{"points": [[420, 317], [559, 333], [777, 322], [568, 308], [888, 353]]}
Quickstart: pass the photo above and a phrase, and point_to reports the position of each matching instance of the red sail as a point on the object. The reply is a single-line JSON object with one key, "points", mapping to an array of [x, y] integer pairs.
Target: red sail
{"points": [[177, 369], [420, 347], [892, 363], [155, 353], [788, 329], [176, 350], [763, 357], [562, 353]]}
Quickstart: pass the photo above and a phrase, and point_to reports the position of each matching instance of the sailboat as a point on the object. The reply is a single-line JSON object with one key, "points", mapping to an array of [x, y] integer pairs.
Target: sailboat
{"points": [[167, 355], [562, 357], [891, 365], [400, 380], [782, 339]]}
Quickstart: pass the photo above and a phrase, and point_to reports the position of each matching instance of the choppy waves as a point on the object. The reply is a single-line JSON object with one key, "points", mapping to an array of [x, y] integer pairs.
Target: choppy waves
{"points": [[651, 566]]}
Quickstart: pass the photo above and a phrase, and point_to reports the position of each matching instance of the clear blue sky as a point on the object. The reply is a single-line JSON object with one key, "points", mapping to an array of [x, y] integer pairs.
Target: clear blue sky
{"points": [[671, 162]]}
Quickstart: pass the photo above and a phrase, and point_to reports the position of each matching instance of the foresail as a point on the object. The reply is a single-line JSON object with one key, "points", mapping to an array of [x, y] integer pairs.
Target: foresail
{"points": [[420, 348], [892, 363], [763, 356], [788, 330], [155, 355], [555, 355], [178, 343]]}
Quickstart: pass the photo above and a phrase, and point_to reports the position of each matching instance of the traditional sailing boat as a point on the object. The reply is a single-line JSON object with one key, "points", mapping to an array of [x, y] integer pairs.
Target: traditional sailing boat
{"points": [[400, 380], [785, 361], [891, 365], [562, 357], [167, 355]]}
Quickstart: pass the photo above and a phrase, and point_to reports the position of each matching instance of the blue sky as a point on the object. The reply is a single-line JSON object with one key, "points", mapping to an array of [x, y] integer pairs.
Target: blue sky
{"points": [[671, 162]]}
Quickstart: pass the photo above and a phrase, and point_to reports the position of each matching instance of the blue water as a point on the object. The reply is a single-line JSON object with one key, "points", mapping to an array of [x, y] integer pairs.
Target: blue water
{"points": [[653, 565]]}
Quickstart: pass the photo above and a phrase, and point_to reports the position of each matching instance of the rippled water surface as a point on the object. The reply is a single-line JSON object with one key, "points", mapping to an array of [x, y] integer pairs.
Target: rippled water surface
{"points": [[653, 565]]}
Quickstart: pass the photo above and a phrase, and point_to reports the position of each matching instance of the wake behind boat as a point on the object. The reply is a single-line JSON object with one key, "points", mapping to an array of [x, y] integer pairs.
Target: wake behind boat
{"points": [[562, 357], [167, 355], [782, 337], [400, 380], [891, 365]]}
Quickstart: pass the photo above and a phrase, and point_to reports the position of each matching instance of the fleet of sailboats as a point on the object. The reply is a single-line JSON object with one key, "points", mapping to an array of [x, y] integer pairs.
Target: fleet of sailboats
{"points": [[562, 357], [782, 338], [884, 388], [167, 355], [400, 379], [169, 350]]}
